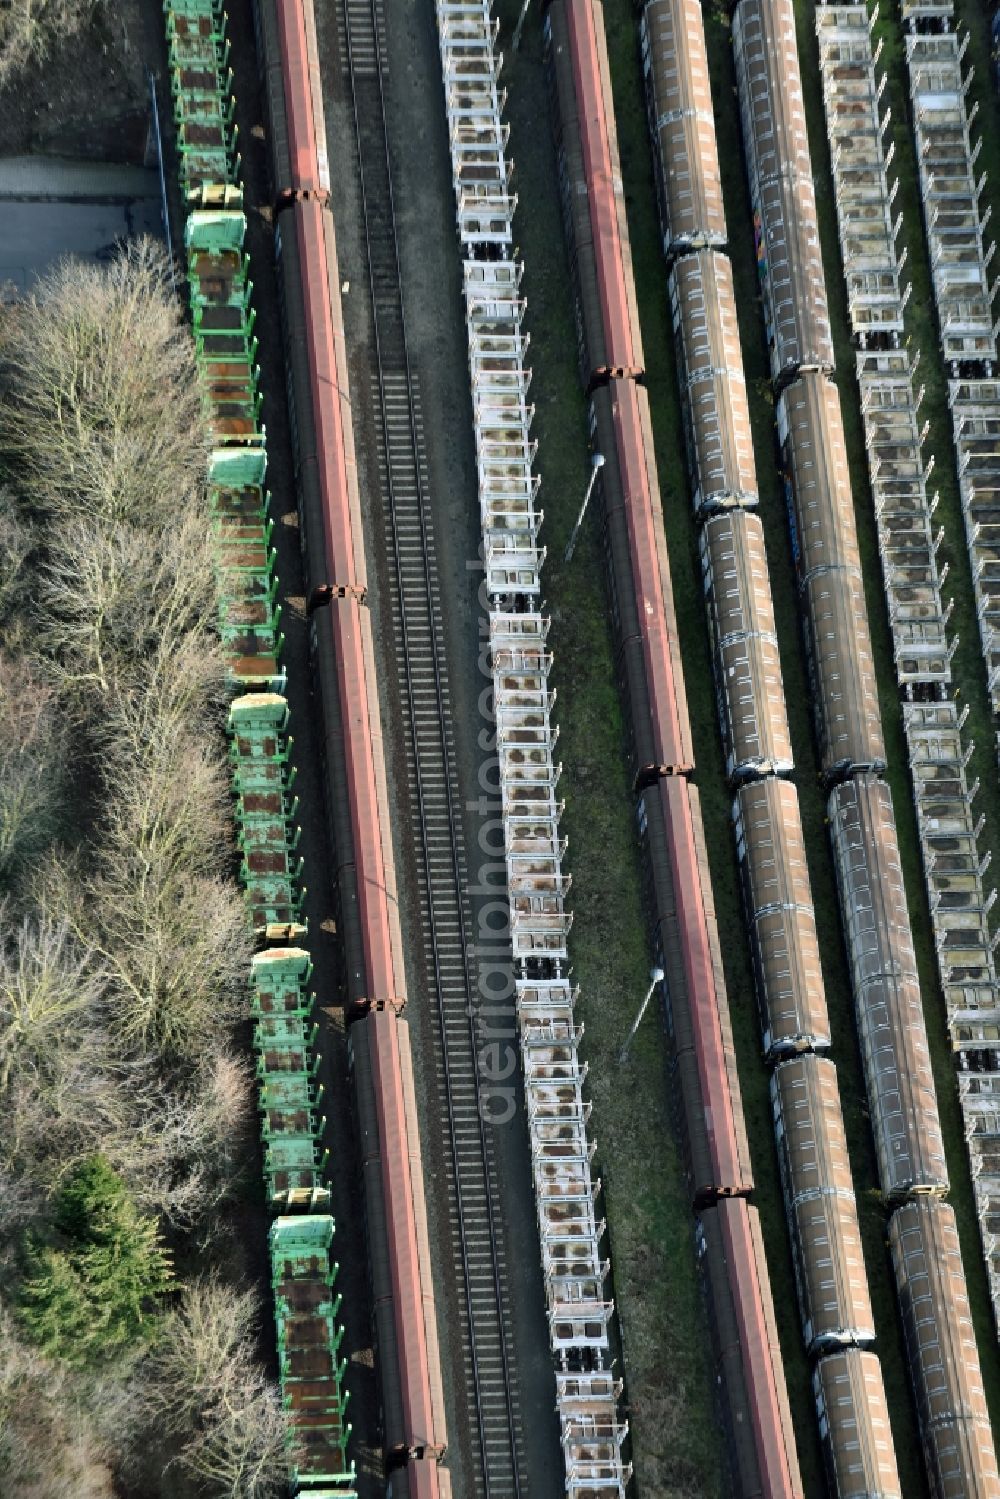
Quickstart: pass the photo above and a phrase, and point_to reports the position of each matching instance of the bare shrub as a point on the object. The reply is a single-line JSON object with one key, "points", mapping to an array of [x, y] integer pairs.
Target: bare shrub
{"points": [[202, 1387], [49, 1444], [183, 1146], [29, 29], [57, 1099], [173, 927], [18, 1204], [166, 791], [32, 764], [16, 543], [49, 997], [178, 951], [70, 1085], [110, 595], [174, 950], [174, 931], [117, 991], [102, 415]]}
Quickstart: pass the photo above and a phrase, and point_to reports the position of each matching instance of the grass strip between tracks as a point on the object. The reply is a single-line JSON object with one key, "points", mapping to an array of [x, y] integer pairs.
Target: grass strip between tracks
{"points": [[674, 1429], [578, 632]]}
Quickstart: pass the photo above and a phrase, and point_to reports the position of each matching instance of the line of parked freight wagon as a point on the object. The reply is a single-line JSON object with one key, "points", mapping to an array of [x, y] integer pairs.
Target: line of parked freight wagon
{"points": [[953, 869], [837, 1320], [305, 1307], [574, 1268], [413, 1426], [963, 294], [413, 1430], [750, 1376], [958, 1445]]}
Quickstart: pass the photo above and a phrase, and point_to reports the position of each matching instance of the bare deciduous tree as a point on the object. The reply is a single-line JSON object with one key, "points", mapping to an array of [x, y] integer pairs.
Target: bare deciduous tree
{"points": [[49, 1445], [174, 950], [111, 595], [32, 754], [103, 416], [182, 691], [202, 1385], [168, 800], [15, 546], [178, 951], [68, 1088], [56, 1098], [117, 989], [182, 1146], [49, 997]]}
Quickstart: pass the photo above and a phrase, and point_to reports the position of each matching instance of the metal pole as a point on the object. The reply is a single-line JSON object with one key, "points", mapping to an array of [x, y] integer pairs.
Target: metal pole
{"points": [[163, 179], [656, 977], [520, 26], [597, 463]]}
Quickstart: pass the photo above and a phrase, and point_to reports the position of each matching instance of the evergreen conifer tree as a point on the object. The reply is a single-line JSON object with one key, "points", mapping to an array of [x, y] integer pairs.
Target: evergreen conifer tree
{"points": [[94, 1288]]}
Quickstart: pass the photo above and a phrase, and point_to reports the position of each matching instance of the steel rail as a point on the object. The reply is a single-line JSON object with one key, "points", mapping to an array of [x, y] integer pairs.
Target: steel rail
{"points": [[500, 1472]]}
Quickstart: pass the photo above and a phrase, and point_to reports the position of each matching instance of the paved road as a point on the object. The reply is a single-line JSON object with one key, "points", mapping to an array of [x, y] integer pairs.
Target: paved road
{"points": [[53, 207]]}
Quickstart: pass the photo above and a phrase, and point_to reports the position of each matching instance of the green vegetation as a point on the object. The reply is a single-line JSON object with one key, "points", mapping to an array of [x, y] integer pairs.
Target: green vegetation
{"points": [[126, 1114], [648, 1217], [91, 1291], [675, 1444], [650, 276]]}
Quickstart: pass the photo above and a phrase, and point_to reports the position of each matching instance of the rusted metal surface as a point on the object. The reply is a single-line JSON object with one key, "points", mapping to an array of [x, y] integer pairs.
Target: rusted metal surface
{"points": [[959, 1451], [591, 69], [811, 427], [841, 672], [579, 233], [392, 1078], [670, 726], [486, 1360], [302, 1291], [578, 26], [676, 870], [890, 1017], [423, 1479], [854, 1426], [343, 654], [682, 125], [334, 440], [777, 897], [749, 686], [433, 1360], [639, 581], [330, 483], [819, 1195], [748, 1357], [719, 1156], [298, 151], [393, 1433]]}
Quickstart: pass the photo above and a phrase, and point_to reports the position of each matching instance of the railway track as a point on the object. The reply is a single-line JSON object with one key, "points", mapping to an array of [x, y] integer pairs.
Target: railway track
{"points": [[432, 782]]}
